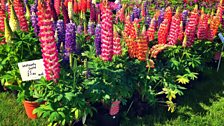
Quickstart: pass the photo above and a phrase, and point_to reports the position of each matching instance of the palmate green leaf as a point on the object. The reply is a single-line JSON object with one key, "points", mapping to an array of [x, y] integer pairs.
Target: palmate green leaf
{"points": [[193, 75], [69, 95], [46, 114], [182, 79], [171, 95], [174, 63], [62, 114], [39, 111], [171, 106], [54, 117]]}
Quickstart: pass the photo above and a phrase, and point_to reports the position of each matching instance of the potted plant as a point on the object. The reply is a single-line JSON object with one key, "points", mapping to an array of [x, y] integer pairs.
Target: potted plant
{"points": [[23, 43], [29, 94], [66, 103]]}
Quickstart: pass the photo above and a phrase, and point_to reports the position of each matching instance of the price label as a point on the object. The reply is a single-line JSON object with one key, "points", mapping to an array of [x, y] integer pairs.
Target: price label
{"points": [[221, 37], [31, 70], [220, 58]]}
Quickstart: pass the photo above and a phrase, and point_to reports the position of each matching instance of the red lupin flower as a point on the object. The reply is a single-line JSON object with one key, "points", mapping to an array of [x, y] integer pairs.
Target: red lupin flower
{"points": [[19, 9], [203, 26], [174, 29], [163, 31], [57, 5], [190, 30], [2, 25]]}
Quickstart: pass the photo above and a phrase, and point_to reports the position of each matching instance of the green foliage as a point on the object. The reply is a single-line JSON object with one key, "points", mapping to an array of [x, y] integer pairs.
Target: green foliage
{"points": [[25, 47]]}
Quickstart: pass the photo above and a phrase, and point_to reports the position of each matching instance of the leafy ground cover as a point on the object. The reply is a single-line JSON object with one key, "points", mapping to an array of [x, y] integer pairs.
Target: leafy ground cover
{"points": [[203, 104]]}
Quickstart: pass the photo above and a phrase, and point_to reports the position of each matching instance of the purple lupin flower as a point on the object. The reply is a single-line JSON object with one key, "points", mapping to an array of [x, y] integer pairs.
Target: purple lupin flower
{"points": [[147, 21], [136, 12], [92, 12], [161, 16], [25, 1], [97, 40], [119, 6], [91, 28], [61, 33], [33, 8], [184, 17], [79, 29], [70, 41], [34, 19], [145, 5], [191, 3], [132, 17]]}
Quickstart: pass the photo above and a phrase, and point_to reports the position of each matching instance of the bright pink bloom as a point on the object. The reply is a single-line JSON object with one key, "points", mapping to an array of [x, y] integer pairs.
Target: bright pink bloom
{"points": [[48, 43]]}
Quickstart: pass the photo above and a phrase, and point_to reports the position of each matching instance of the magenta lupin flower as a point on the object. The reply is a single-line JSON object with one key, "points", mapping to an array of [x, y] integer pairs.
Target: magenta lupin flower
{"points": [[48, 43], [92, 12]]}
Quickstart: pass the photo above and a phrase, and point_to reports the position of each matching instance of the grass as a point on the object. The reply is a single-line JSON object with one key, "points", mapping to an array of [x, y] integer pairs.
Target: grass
{"points": [[12, 113], [202, 104]]}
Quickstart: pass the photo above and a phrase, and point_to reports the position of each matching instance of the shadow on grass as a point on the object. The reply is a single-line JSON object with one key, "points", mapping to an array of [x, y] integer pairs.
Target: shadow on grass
{"points": [[209, 87], [202, 92]]}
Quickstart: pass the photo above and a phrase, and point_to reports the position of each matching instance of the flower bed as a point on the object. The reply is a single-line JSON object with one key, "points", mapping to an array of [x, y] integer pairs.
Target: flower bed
{"points": [[126, 50]]}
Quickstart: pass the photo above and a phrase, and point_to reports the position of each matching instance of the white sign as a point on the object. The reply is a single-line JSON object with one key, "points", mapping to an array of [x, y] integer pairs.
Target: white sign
{"points": [[221, 37], [31, 70], [220, 58]]}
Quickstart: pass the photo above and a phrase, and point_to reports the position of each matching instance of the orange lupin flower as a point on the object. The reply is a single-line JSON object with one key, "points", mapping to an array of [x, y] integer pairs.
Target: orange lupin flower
{"points": [[151, 30], [142, 47]]}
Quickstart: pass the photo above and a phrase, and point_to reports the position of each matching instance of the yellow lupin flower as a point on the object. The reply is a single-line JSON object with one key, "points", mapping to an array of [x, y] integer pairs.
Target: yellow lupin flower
{"points": [[8, 32], [13, 21], [27, 12], [70, 10]]}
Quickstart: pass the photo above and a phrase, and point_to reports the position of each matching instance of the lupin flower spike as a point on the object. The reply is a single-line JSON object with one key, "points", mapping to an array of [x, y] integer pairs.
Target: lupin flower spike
{"points": [[20, 12], [70, 40], [8, 32], [47, 39], [28, 14], [70, 9], [97, 40], [60, 33], [13, 21]]}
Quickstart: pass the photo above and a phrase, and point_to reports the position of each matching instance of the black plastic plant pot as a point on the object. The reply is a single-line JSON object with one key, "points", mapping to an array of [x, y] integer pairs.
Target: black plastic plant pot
{"points": [[108, 120], [77, 123], [1, 88]]}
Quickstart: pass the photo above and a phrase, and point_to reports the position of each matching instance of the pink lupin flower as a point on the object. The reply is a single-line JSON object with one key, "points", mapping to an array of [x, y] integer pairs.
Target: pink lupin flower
{"points": [[106, 34], [116, 43], [47, 39]]}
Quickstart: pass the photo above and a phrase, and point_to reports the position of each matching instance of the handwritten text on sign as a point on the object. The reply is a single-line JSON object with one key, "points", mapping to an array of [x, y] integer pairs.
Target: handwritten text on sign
{"points": [[31, 70]]}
